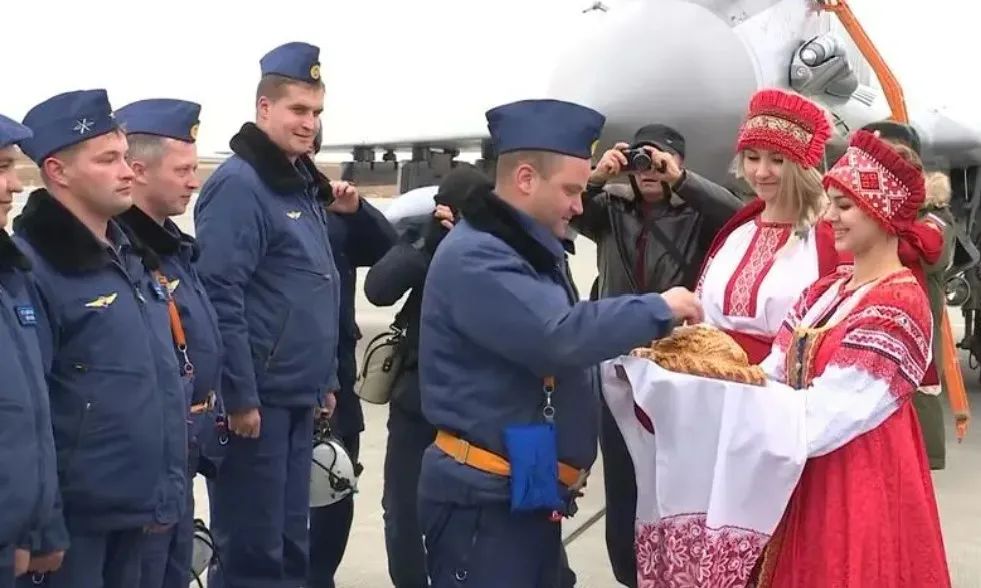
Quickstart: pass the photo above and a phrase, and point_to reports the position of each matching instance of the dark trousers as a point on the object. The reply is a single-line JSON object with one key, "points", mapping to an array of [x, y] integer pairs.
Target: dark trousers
{"points": [[260, 504], [330, 527], [409, 434], [102, 560], [488, 546], [166, 557], [620, 483]]}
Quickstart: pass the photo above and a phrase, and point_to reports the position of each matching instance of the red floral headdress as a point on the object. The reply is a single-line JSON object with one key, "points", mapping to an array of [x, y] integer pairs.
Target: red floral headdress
{"points": [[875, 177], [787, 123], [890, 190]]}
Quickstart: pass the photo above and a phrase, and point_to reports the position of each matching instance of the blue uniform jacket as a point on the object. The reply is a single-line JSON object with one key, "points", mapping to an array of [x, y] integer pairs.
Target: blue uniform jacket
{"points": [[28, 475], [499, 315], [177, 253], [266, 263], [117, 406], [357, 240]]}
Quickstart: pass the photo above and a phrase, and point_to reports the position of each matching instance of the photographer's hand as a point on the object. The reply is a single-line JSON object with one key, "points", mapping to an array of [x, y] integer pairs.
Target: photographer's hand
{"points": [[609, 165], [444, 214], [664, 166]]}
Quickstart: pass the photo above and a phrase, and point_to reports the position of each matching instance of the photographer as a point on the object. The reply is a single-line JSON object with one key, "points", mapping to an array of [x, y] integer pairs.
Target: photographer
{"points": [[650, 239]]}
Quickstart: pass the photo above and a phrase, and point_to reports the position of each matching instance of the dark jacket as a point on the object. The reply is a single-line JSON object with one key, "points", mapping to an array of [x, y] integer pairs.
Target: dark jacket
{"points": [[357, 240], [403, 269], [498, 316], [689, 221], [28, 472], [177, 253], [267, 265], [117, 406]]}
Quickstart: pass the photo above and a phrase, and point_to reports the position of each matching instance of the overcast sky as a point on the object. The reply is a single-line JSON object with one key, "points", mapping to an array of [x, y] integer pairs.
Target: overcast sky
{"points": [[391, 66]]}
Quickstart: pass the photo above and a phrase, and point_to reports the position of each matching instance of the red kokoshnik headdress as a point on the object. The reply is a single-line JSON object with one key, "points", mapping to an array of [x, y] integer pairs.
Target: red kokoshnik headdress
{"points": [[786, 123], [889, 189]]}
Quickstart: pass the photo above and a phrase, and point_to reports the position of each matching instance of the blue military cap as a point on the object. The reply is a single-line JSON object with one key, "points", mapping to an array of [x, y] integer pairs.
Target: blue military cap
{"points": [[545, 125], [66, 119], [12, 132], [300, 61], [166, 117]]}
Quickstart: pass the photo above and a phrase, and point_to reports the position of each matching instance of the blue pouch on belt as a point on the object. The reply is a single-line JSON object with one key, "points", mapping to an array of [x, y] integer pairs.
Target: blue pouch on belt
{"points": [[534, 467]]}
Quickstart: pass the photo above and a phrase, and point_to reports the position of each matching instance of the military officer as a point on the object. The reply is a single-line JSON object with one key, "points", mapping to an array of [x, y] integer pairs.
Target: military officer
{"points": [[163, 155], [267, 264], [508, 358], [356, 240], [27, 456], [116, 401]]}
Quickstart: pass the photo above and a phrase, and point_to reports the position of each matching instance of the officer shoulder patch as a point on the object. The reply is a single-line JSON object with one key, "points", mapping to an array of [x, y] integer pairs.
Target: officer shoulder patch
{"points": [[26, 316]]}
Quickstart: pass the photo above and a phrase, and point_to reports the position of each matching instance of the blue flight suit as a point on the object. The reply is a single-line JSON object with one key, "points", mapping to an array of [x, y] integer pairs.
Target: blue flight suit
{"points": [[28, 473], [117, 404], [499, 314], [356, 240], [166, 560], [267, 264]]}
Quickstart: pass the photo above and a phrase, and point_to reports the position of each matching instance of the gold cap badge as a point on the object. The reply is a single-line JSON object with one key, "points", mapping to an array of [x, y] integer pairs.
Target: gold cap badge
{"points": [[315, 71]]}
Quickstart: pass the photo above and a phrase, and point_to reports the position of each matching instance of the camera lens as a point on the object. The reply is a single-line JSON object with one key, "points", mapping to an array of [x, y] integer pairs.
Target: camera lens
{"points": [[640, 161]]}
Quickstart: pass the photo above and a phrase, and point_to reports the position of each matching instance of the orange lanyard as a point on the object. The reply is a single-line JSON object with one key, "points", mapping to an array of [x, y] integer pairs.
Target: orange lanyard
{"points": [[176, 327]]}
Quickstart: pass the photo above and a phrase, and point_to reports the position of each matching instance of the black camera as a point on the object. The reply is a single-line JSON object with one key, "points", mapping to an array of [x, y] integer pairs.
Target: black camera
{"points": [[638, 160]]}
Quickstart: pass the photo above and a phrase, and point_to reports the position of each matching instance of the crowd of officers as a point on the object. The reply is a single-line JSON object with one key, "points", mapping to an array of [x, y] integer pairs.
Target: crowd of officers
{"points": [[140, 357]]}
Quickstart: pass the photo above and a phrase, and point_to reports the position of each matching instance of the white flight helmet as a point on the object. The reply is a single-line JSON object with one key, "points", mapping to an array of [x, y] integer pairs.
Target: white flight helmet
{"points": [[203, 554], [333, 474]]}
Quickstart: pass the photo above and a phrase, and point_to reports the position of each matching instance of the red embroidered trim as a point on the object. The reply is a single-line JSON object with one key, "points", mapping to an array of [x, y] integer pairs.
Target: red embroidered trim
{"points": [[683, 551], [743, 288], [895, 353], [869, 182]]}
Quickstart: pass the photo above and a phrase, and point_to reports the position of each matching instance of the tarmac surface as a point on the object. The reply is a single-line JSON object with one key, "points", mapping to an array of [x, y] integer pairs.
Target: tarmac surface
{"points": [[958, 486]]}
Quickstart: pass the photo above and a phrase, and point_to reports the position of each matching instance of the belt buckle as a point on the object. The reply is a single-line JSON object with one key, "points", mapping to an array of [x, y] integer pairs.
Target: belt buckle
{"points": [[462, 453]]}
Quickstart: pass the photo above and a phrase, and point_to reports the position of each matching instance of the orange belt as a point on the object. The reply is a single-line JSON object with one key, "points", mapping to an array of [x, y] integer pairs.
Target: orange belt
{"points": [[485, 461]]}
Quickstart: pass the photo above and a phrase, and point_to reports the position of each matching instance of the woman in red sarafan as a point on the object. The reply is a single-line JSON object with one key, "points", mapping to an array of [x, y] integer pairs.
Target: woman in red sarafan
{"points": [[776, 246], [857, 345]]}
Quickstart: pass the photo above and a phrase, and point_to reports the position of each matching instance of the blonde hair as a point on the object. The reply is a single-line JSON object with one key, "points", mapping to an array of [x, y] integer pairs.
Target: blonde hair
{"points": [[801, 190]]}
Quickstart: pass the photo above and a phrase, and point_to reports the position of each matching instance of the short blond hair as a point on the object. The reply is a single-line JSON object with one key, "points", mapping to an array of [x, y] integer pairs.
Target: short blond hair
{"points": [[544, 162]]}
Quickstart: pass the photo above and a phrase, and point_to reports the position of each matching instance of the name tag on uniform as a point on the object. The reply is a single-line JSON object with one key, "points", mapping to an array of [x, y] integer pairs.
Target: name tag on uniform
{"points": [[26, 316]]}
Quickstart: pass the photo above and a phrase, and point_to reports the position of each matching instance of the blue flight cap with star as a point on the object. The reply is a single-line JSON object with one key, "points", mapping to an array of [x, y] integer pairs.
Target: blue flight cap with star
{"points": [[66, 119], [165, 117], [545, 125], [299, 61], [12, 132]]}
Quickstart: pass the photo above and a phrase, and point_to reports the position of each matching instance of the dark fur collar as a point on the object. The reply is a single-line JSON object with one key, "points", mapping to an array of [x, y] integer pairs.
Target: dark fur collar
{"points": [[272, 165], [486, 212], [10, 256], [164, 240], [63, 240]]}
